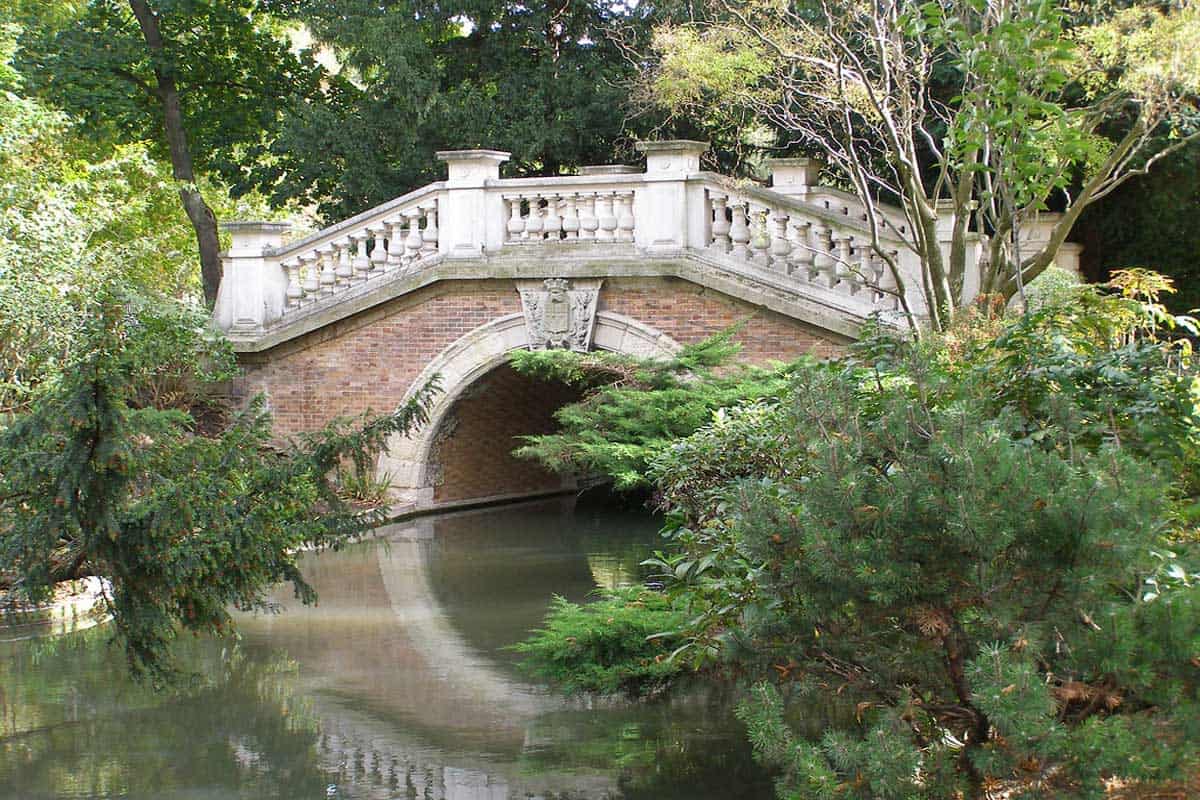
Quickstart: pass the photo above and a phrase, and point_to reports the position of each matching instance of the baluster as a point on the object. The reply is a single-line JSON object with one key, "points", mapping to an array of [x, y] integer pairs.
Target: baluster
{"points": [[887, 283], [534, 223], [625, 218], [802, 249], [588, 222], [294, 292], [429, 238], [780, 246], [344, 271], [552, 224], [720, 223], [760, 240], [866, 268], [844, 267], [412, 242], [378, 249], [328, 276], [395, 241], [361, 264], [516, 224], [823, 255], [605, 217], [739, 231], [570, 223], [878, 267], [311, 285]]}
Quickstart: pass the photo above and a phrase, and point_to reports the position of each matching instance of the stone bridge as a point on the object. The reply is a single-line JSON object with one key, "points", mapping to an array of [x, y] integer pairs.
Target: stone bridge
{"points": [[451, 278]]}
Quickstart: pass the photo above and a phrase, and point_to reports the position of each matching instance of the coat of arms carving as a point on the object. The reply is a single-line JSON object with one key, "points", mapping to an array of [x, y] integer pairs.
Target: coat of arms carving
{"points": [[559, 314]]}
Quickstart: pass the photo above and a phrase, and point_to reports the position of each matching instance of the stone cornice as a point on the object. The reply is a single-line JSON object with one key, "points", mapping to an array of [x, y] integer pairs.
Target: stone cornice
{"points": [[824, 309]]}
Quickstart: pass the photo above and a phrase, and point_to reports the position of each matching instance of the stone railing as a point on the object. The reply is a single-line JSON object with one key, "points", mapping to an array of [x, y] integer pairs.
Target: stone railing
{"points": [[401, 240], [797, 237], [815, 247]]}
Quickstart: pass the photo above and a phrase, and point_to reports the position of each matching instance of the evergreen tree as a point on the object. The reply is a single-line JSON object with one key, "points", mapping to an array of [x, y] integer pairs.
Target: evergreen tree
{"points": [[96, 480], [973, 548], [546, 81]]}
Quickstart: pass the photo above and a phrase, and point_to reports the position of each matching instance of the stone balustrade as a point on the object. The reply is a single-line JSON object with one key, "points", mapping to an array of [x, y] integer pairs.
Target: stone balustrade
{"points": [[570, 214], [398, 241], [800, 238], [827, 251]]}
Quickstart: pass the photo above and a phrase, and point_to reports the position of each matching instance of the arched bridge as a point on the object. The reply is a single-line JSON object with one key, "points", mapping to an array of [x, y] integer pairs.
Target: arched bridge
{"points": [[454, 276]]}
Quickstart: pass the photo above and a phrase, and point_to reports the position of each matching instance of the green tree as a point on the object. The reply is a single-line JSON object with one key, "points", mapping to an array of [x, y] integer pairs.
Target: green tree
{"points": [[634, 407], [204, 81], [97, 480], [71, 220], [972, 542], [996, 108], [545, 81]]}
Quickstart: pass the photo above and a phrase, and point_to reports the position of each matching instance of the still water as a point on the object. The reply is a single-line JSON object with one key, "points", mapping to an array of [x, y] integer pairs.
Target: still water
{"points": [[397, 685]]}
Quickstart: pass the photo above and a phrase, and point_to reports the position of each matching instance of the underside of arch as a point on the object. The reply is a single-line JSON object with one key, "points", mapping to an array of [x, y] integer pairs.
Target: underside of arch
{"points": [[409, 465]]}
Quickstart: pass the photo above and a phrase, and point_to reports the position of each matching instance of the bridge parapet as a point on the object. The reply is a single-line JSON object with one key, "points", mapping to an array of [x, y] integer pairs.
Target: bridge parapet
{"points": [[800, 241]]}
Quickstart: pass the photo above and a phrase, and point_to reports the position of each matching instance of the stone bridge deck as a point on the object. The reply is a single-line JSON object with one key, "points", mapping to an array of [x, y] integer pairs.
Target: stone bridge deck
{"points": [[451, 278]]}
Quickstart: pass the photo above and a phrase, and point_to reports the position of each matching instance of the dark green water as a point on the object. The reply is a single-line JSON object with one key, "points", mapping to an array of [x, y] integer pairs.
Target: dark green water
{"points": [[395, 686]]}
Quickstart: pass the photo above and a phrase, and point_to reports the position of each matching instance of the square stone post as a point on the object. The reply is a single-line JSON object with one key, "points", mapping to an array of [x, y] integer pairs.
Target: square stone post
{"points": [[795, 176], [666, 221], [1035, 234], [253, 285], [471, 220]]}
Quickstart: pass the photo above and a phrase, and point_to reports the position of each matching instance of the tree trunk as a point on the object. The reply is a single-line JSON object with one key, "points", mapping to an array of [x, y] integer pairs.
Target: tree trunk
{"points": [[204, 222]]}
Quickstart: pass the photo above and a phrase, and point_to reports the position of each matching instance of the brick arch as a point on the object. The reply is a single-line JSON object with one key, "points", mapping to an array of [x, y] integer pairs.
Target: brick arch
{"points": [[407, 463]]}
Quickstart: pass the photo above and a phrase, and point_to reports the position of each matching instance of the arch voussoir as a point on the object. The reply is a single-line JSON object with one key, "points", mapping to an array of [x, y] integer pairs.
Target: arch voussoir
{"points": [[406, 464]]}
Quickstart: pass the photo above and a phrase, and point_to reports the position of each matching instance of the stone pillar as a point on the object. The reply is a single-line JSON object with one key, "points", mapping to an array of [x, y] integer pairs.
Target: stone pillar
{"points": [[795, 176], [668, 219], [1035, 234], [254, 285], [471, 220]]}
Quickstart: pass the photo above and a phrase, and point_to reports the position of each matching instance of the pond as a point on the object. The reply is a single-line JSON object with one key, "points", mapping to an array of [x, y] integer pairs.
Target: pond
{"points": [[396, 685]]}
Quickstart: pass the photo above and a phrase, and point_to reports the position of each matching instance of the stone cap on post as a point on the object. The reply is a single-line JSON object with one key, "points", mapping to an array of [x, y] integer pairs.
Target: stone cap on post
{"points": [[251, 238], [794, 175], [675, 159], [944, 207], [472, 168], [609, 169]]}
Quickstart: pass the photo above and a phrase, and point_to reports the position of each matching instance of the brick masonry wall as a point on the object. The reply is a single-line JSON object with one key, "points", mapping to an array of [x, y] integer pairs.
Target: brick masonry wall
{"points": [[473, 449], [367, 362]]}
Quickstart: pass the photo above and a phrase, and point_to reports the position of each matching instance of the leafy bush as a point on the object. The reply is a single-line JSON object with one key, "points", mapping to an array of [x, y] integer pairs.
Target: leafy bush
{"points": [[634, 407], [94, 481], [616, 644], [975, 539]]}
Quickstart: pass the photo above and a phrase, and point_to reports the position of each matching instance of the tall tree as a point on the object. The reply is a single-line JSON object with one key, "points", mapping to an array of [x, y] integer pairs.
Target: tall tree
{"points": [[1150, 221], [994, 108], [544, 80], [204, 80]]}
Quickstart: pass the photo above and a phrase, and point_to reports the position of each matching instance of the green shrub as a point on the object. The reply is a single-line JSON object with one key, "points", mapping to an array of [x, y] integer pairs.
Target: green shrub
{"points": [[976, 540], [620, 643]]}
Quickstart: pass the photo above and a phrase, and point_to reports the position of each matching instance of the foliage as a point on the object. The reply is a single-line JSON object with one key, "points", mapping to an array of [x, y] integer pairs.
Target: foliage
{"points": [[1150, 220], [633, 407], [203, 80], [615, 644], [233, 66], [544, 81], [182, 526], [69, 225], [1001, 109], [1052, 287], [975, 539]]}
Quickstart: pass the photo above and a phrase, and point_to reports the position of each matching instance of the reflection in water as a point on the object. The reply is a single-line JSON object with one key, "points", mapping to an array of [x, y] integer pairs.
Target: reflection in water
{"points": [[395, 686]]}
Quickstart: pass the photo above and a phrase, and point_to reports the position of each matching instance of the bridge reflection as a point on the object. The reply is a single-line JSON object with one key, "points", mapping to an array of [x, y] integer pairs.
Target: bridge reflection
{"points": [[401, 655]]}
